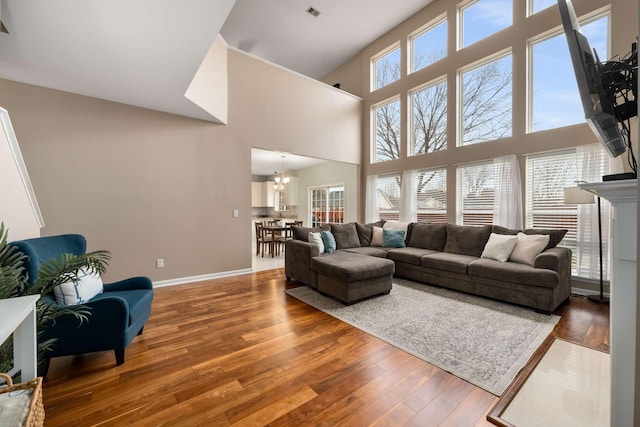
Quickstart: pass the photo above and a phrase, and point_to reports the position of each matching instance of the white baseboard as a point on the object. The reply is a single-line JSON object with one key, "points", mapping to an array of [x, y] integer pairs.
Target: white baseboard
{"points": [[191, 279]]}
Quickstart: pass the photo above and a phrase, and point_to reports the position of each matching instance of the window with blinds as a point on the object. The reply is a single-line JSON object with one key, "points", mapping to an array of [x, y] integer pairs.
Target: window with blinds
{"points": [[476, 194], [547, 177], [431, 195], [388, 196]]}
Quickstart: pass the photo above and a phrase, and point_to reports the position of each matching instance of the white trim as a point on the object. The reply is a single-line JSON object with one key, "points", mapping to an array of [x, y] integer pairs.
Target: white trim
{"points": [[587, 292], [201, 278], [7, 127]]}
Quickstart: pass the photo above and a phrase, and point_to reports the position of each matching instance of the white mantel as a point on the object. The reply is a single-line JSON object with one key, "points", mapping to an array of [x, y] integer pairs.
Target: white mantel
{"points": [[624, 308]]}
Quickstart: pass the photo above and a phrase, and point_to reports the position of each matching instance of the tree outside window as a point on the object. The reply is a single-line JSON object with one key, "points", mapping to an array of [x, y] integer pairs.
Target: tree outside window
{"points": [[486, 102], [429, 119], [387, 131], [429, 46]]}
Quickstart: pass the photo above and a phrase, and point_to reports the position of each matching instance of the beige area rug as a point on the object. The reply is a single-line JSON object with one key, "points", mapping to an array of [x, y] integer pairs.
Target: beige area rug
{"points": [[482, 341]]}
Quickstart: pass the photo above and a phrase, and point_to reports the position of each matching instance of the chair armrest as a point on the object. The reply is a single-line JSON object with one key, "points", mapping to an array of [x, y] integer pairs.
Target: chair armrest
{"points": [[297, 260], [130, 284]]}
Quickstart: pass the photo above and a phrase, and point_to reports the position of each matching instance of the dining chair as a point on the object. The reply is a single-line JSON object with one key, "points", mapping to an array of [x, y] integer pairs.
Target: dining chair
{"points": [[262, 238]]}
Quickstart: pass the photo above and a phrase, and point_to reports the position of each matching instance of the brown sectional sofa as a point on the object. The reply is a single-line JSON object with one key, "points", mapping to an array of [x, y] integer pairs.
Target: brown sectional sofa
{"points": [[449, 256]]}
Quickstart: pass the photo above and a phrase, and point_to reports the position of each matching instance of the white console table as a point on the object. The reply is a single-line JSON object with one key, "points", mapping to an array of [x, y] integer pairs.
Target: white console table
{"points": [[624, 308], [18, 317]]}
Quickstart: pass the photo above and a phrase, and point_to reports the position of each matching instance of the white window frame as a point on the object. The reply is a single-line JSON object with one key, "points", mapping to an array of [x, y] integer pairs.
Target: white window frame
{"points": [[374, 125], [431, 25], [327, 211], [374, 60], [460, 208], [411, 137], [440, 214]]}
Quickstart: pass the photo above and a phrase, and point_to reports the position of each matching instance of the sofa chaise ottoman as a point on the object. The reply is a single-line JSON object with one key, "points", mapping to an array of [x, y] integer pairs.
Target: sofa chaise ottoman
{"points": [[352, 277]]}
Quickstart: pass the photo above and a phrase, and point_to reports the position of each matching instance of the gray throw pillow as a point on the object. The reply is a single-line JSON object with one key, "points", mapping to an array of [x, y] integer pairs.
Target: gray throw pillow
{"points": [[555, 235], [498, 229], [365, 232], [346, 235], [467, 239], [427, 236], [302, 233]]}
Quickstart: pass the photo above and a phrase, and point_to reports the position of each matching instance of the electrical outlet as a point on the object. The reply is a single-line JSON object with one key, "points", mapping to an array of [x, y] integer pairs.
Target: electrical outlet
{"points": [[159, 263]]}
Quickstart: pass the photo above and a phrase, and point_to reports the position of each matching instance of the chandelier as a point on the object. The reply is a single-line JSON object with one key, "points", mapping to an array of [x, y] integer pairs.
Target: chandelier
{"points": [[282, 180]]}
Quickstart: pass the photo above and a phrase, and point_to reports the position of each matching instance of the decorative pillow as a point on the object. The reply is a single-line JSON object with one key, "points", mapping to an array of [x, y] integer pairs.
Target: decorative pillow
{"points": [[315, 238], [86, 287], [302, 233], [346, 235], [365, 232], [376, 236], [528, 247], [499, 247], [498, 229], [328, 241], [396, 225], [555, 235], [427, 236], [466, 239], [393, 238]]}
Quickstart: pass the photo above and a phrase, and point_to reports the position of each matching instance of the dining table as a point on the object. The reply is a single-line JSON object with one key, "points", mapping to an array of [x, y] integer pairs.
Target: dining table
{"points": [[275, 231]]}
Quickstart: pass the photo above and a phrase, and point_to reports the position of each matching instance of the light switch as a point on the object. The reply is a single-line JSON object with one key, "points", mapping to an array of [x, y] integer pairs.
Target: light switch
{"points": [[236, 213]]}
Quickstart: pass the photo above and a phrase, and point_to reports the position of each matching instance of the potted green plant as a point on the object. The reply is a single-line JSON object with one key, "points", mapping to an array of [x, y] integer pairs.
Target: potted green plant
{"points": [[14, 283]]}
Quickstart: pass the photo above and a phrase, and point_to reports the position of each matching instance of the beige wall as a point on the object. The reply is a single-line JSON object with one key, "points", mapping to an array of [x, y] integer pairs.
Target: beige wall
{"points": [[150, 185], [329, 174], [623, 32]]}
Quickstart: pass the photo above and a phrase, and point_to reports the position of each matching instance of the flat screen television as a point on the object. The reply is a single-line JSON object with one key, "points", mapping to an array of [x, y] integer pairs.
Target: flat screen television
{"points": [[598, 103]]}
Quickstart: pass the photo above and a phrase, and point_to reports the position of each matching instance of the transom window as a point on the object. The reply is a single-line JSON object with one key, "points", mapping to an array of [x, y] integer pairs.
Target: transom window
{"points": [[486, 101], [482, 18], [386, 68], [429, 118], [429, 45], [386, 124], [555, 100]]}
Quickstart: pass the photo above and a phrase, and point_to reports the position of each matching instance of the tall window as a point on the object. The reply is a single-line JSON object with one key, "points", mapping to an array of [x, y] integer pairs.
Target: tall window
{"points": [[429, 45], [429, 118], [554, 92], [327, 205], [388, 196], [431, 195], [482, 18], [476, 194], [486, 101], [547, 176], [386, 68], [386, 122]]}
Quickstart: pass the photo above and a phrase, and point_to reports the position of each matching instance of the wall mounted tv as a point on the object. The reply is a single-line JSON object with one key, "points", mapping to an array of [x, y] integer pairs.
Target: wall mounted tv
{"points": [[607, 90]]}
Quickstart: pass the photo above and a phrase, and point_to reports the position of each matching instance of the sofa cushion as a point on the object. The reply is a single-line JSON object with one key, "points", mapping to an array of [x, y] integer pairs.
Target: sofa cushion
{"points": [[498, 229], [393, 238], [555, 236], [499, 247], [365, 230], [302, 233], [377, 237], [329, 241], [348, 267], [511, 272], [467, 239], [368, 250], [409, 255], [315, 238], [528, 247], [454, 263], [428, 236], [346, 235]]}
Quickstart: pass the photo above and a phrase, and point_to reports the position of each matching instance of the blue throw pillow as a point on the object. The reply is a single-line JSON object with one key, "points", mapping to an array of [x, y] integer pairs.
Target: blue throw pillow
{"points": [[392, 238], [329, 242]]}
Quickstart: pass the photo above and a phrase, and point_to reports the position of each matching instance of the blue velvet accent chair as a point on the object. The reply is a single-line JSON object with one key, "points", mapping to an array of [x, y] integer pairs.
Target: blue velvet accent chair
{"points": [[117, 315]]}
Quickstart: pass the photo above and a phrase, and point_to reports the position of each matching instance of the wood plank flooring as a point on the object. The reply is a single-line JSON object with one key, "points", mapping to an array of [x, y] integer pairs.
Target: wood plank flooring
{"points": [[239, 351]]}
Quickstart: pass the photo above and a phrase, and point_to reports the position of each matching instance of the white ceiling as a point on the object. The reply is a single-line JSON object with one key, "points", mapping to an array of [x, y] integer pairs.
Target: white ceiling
{"points": [[264, 162]]}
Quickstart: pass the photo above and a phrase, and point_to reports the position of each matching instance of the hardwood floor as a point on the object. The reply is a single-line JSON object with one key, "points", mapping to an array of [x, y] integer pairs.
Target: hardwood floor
{"points": [[239, 351]]}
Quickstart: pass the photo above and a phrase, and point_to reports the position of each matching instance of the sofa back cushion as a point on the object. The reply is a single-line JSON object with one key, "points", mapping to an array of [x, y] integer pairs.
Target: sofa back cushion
{"points": [[467, 239], [555, 236], [365, 232], [346, 235], [428, 236], [302, 233]]}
